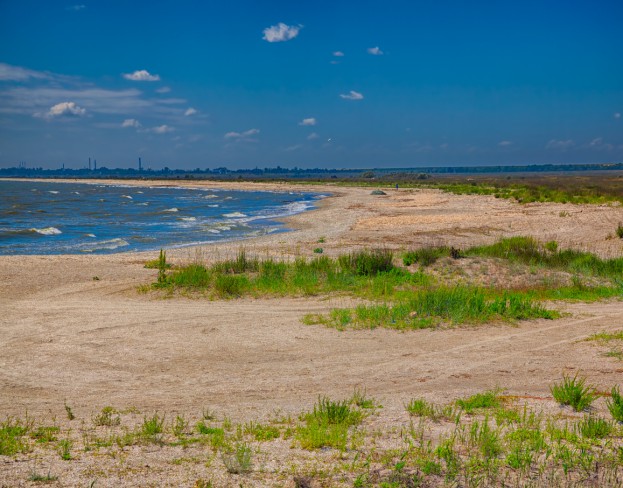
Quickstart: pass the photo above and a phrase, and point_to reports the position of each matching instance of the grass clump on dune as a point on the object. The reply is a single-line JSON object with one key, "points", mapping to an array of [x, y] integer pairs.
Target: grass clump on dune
{"points": [[428, 307]]}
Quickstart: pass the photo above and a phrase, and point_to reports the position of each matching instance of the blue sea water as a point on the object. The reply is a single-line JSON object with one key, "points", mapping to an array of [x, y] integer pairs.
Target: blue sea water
{"points": [[76, 218]]}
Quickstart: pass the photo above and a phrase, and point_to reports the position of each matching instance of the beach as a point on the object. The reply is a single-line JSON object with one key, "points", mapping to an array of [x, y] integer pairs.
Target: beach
{"points": [[75, 329]]}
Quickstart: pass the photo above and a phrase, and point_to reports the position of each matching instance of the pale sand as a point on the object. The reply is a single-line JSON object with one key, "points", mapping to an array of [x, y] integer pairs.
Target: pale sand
{"points": [[65, 337]]}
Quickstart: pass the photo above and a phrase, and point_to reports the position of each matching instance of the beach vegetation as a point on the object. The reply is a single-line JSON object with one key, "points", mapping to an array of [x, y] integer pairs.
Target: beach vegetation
{"points": [[574, 391], [239, 459], [42, 478], [619, 230], [107, 417], [488, 399], [615, 404]]}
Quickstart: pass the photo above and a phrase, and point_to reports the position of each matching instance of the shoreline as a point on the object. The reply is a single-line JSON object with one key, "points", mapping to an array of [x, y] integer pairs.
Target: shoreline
{"points": [[75, 327]]}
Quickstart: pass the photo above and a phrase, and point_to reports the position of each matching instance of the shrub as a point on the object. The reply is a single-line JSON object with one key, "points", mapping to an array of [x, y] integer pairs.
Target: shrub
{"points": [[107, 417], [619, 231], [573, 392], [318, 250]]}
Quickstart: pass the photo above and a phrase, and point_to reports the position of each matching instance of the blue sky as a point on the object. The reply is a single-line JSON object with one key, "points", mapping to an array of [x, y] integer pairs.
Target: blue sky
{"points": [[310, 83]]}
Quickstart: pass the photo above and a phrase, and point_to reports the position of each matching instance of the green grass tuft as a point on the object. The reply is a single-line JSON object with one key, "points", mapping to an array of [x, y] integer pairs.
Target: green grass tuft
{"points": [[573, 392]]}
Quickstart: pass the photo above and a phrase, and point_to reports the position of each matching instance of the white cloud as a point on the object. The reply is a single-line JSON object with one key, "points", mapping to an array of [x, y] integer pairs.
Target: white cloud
{"points": [[293, 148], [598, 143], [560, 144], [243, 136], [131, 123], [308, 122], [162, 129], [63, 110], [375, 51], [617, 115], [338, 54], [505, 143], [164, 89], [281, 32], [312, 136], [17, 73], [352, 95], [190, 111], [141, 75], [76, 8]]}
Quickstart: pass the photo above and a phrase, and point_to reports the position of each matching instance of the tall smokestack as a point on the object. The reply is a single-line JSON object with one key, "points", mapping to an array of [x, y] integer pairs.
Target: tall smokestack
{"points": [[95, 165], [140, 165], [89, 164]]}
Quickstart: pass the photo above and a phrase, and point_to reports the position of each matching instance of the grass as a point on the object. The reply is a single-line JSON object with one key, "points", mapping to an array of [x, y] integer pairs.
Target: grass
{"points": [[615, 405], [574, 392], [107, 417], [528, 251], [429, 307], [327, 425], [239, 460], [405, 299], [493, 446], [488, 399]]}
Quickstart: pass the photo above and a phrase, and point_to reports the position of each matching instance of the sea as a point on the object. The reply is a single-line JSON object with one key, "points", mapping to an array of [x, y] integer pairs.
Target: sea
{"points": [[79, 218]]}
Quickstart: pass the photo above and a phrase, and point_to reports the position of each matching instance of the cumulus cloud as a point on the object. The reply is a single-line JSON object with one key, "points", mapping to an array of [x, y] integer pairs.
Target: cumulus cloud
{"points": [[190, 111], [505, 143], [246, 136], [338, 54], [63, 110], [281, 32], [375, 51], [141, 75], [560, 144], [617, 115], [308, 122], [352, 95], [164, 89], [312, 136], [131, 123], [161, 129], [17, 73]]}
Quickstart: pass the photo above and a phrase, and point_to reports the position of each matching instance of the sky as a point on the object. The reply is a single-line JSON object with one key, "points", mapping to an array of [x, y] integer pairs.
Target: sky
{"points": [[333, 84]]}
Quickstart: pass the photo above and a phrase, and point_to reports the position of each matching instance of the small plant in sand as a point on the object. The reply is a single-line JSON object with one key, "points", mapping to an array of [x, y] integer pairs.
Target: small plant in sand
{"points": [[107, 417], [619, 230], [239, 459], [615, 405], [70, 413], [152, 428], [162, 267], [64, 449], [573, 392], [42, 478]]}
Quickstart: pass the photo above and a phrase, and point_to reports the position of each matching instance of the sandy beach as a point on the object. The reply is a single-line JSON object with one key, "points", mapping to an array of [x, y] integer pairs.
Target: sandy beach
{"points": [[67, 338]]}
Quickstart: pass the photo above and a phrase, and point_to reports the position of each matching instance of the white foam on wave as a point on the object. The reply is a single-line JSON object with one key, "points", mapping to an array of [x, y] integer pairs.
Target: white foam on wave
{"points": [[90, 235], [213, 206], [188, 219], [214, 231], [109, 245], [47, 231], [127, 196], [144, 204], [174, 209], [53, 192], [76, 192], [210, 196], [233, 215]]}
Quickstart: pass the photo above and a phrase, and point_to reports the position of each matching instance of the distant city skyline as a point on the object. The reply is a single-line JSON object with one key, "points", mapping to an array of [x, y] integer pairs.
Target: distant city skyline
{"points": [[310, 84]]}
